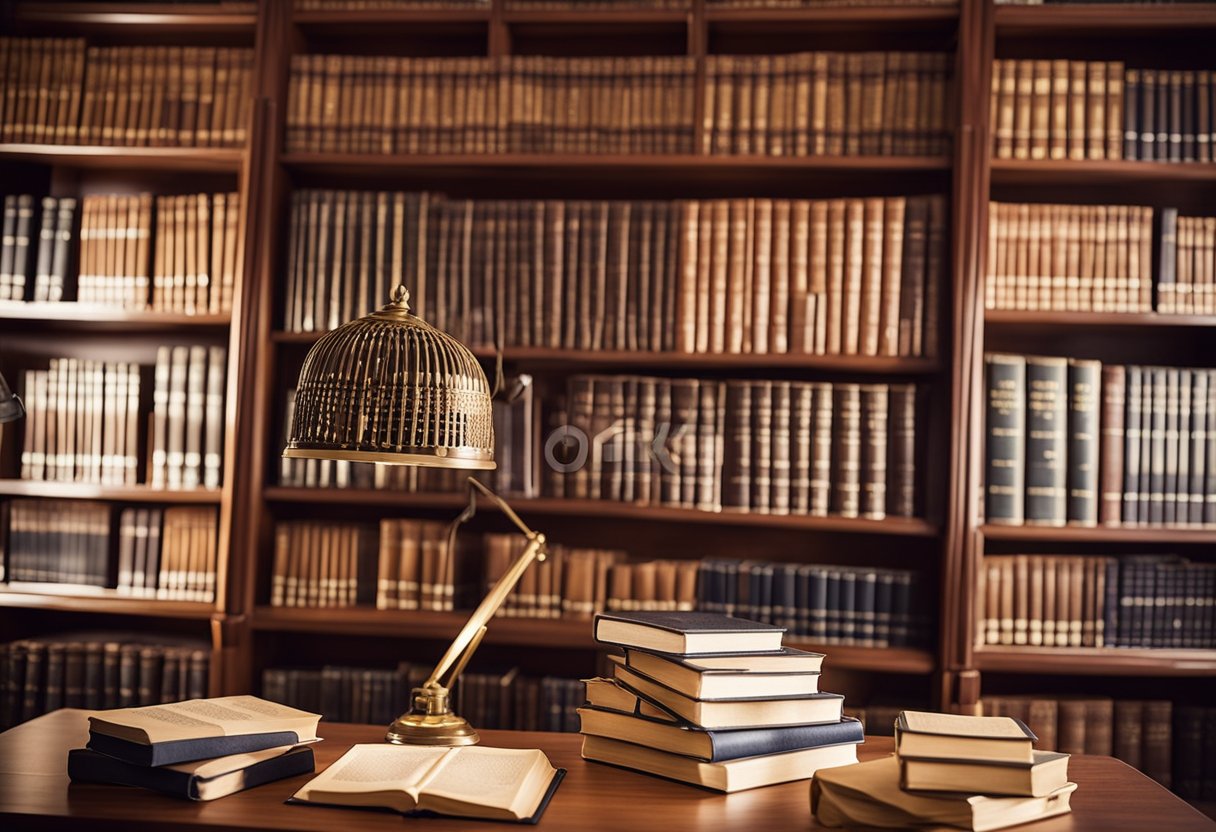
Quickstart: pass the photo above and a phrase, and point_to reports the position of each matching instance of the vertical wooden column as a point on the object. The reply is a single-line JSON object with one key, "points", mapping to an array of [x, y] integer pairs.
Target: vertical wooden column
{"points": [[973, 67]]}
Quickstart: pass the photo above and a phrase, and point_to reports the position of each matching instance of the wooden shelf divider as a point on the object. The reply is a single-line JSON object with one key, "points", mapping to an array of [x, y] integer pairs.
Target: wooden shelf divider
{"points": [[1100, 534], [71, 599], [98, 315], [1094, 20], [903, 526], [202, 159], [112, 493], [1140, 320], [1096, 661], [538, 632]]}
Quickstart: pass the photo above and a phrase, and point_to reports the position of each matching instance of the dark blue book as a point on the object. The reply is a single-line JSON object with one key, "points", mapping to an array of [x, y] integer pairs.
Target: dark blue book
{"points": [[719, 745], [200, 780]]}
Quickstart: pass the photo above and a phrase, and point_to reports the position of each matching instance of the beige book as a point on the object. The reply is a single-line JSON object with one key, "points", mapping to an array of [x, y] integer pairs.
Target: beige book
{"points": [[730, 776], [869, 794], [227, 716], [1048, 773], [487, 783], [953, 737], [608, 694]]}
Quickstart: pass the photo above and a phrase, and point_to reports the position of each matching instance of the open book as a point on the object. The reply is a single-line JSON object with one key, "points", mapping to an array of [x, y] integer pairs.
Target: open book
{"points": [[486, 783]]}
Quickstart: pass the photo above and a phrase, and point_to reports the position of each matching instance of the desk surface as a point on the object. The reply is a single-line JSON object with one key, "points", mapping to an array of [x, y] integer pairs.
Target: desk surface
{"points": [[35, 794]]}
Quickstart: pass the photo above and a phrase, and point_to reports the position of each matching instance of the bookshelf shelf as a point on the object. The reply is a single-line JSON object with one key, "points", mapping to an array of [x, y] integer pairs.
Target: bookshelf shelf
{"points": [[907, 527], [756, 171], [97, 316], [1096, 661], [1099, 534], [338, 20], [215, 159], [543, 356], [529, 632], [112, 493], [635, 17], [149, 17], [108, 601], [1112, 320], [1104, 18], [870, 17], [1096, 172]]}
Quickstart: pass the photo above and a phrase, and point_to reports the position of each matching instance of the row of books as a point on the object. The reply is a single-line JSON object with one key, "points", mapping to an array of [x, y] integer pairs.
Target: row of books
{"points": [[1073, 441], [509, 700], [827, 604], [1087, 258], [1061, 109], [826, 103], [407, 564], [855, 276], [159, 553], [164, 253], [83, 420], [776, 447], [1170, 742], [792, 105], [1099, 601], [519, 104], [1186, 281], [96, 671], [55, 91]]}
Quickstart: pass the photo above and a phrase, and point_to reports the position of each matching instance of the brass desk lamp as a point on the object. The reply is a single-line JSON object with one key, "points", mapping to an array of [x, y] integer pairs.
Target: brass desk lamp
{"points": [[390, 388]]}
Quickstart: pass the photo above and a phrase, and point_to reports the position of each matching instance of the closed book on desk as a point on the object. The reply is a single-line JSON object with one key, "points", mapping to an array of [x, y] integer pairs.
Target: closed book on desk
{"points": [[506, 784], [953, 737], [608, 694], [1046, 774], [868, 794], [199, 780], [715, 746], [686, 633], [198, 729], [788, 673], [737, 713], [729, 776]]}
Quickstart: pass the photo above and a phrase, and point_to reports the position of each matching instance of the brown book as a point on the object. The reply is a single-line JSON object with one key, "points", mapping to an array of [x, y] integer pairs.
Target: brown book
{"points": [[1005, 106], [1157, 736], [1023, 108], [1040, 110], [1128, 728], [1077, 110], [902, 454], [846, 472], [874, 422], [892, 268], [1095, 118], [1072, 726], [1059, 127], [870, 278], [1110, 453]]}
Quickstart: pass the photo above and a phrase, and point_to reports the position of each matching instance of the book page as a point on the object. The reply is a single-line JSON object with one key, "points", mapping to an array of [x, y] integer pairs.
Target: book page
{"points": [[995, 727], [494, 777], [202, 718], [374, 768]]}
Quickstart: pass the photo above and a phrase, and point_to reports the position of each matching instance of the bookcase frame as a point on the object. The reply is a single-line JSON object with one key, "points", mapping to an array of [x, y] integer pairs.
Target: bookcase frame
{"points": [[248, 501]]}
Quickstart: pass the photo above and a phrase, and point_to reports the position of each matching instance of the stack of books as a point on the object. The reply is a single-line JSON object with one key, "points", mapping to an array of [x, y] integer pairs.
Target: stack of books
{"points": [[713, 701], [933, 777], [200, 749]]}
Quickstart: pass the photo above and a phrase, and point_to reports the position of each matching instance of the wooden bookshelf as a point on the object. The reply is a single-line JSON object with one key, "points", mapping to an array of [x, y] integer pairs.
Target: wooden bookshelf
{"points": [[52, 597], [907, 527], [536, 632], [203, 159], [112, 493], [1092, 20], [264, 358], [95, 316], [1096, 661], [1148, 321]]}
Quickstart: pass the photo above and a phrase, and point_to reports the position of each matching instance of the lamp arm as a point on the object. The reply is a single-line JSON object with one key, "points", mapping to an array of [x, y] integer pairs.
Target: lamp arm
{"points": [[466, 641]]}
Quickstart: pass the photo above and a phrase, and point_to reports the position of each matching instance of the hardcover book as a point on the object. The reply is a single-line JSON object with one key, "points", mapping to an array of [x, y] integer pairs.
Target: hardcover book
{"points": [[1048, 773], [715, 746], [686, 633], [504, 784], [729, 776], [952, 737], [788, 673], [197, 729], [200, 780]]}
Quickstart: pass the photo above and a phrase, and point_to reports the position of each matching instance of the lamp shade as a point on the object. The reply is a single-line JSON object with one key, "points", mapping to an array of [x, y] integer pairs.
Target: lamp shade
{"points": [[391, 388]]}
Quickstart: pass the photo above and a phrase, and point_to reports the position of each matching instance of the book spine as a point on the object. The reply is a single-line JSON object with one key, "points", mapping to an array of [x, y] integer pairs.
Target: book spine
{"points": [[1004, 495]]}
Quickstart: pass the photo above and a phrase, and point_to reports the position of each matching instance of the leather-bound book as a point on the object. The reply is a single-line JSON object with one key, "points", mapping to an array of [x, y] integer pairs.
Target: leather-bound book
{"points": [[1084, 383], [1005, 454], [1046, 440]]}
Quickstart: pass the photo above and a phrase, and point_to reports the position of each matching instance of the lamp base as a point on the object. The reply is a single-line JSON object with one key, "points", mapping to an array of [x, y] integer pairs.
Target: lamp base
{"points": [[431, 722]]}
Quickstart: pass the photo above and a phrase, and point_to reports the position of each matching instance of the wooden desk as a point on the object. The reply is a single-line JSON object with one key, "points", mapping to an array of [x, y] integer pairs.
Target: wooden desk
{"points": [[35, 794]]}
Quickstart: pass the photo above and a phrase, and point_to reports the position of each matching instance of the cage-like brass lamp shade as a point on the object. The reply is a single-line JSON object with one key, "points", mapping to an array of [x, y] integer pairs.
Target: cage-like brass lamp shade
{"points": [[391, 388]]}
